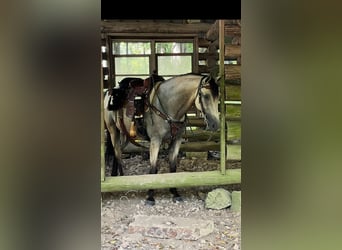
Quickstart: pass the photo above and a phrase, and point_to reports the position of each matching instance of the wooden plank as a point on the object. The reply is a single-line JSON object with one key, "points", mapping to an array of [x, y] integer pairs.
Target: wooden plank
{"points": [[153, 27], [232, 22], [200, 146], [232, 30], [232, 71], [168, 180], [232, 51], [194, 146], [102, 163]]}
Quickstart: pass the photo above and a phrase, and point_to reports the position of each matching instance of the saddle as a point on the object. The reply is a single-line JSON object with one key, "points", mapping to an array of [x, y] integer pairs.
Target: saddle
{"points": [[132, 94], [139, 90]]}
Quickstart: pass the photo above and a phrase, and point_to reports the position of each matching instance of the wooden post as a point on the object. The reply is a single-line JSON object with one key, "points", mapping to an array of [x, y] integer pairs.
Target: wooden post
{"points": [[102, 127], [222, 99], [168, 180]]}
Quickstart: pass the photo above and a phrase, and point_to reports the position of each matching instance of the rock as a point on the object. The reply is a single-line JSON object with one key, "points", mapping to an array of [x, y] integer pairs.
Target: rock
{"points": [[168, 227], [219, 198]]}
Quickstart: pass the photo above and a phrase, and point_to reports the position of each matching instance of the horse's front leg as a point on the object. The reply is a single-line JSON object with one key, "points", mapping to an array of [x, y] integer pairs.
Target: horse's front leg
{"points": [[154, 150], [173, 153]]}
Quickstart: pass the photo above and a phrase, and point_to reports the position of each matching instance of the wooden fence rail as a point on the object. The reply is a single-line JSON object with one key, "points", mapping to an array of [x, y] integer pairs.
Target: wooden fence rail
{"points": [[168, 180]]}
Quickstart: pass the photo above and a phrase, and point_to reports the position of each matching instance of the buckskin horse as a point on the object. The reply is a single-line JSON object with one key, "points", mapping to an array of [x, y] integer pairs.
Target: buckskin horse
{"points": [[164, 117]]}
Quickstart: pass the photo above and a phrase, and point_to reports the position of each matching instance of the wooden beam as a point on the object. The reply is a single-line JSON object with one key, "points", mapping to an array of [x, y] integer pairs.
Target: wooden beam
{"points": [[232, 71], [102, 163], [222, 98], [232, 51], [232, 22], [232, 30], [168, 180], [153, 27], [200, 146]]}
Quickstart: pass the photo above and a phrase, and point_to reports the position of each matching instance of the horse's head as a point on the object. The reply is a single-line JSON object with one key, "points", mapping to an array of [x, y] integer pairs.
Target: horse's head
{"points": [[207, 102]]}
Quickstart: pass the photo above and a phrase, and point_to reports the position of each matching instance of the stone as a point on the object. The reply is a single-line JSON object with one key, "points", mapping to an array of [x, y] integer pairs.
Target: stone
{"points": [[219, 198], [167, 227]]}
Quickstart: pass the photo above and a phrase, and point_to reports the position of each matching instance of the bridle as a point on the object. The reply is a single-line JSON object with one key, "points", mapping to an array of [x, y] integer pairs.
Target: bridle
{"points": [[204, 83], [174, 124]]}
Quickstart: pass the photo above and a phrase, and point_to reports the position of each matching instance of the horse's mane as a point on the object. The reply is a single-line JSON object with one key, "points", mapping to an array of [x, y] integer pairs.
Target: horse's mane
{"points": [[213, 85]]}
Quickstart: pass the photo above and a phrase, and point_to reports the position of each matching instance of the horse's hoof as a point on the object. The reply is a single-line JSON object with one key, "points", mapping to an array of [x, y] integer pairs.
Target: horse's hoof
{"points": [[150, 202], [177, 198]]}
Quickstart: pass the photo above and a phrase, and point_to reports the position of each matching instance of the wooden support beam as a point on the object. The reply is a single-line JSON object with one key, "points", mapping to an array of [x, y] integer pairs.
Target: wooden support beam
{"points": [[232, 22], [102, 162], [232, 71], [232, 51], [222, 98], [153, 27], [168, 180], [197, 146], [200, 146], [232, 30]]}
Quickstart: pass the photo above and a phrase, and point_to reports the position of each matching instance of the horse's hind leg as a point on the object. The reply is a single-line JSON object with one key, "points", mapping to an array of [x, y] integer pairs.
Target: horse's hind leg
{"points": [[173, 153], [117, 162], [154, 150]]}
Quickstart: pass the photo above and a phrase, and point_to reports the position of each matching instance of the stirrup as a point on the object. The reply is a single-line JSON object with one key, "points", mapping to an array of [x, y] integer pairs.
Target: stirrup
{"points": [[133, 130]]}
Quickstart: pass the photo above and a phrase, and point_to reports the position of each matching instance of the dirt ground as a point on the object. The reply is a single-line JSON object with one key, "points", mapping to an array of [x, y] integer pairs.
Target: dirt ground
{"points": [[119, 208]]}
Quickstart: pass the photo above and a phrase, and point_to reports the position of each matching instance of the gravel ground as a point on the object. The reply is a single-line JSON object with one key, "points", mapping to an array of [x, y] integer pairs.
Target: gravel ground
{"points": [[119, 208]]}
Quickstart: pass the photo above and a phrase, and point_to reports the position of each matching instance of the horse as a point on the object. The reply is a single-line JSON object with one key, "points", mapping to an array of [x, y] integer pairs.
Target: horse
{"points": [[164, 119]]}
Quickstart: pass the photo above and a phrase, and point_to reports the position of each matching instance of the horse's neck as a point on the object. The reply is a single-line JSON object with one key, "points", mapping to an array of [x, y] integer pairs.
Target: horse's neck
{"points": [[177, 98]]}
